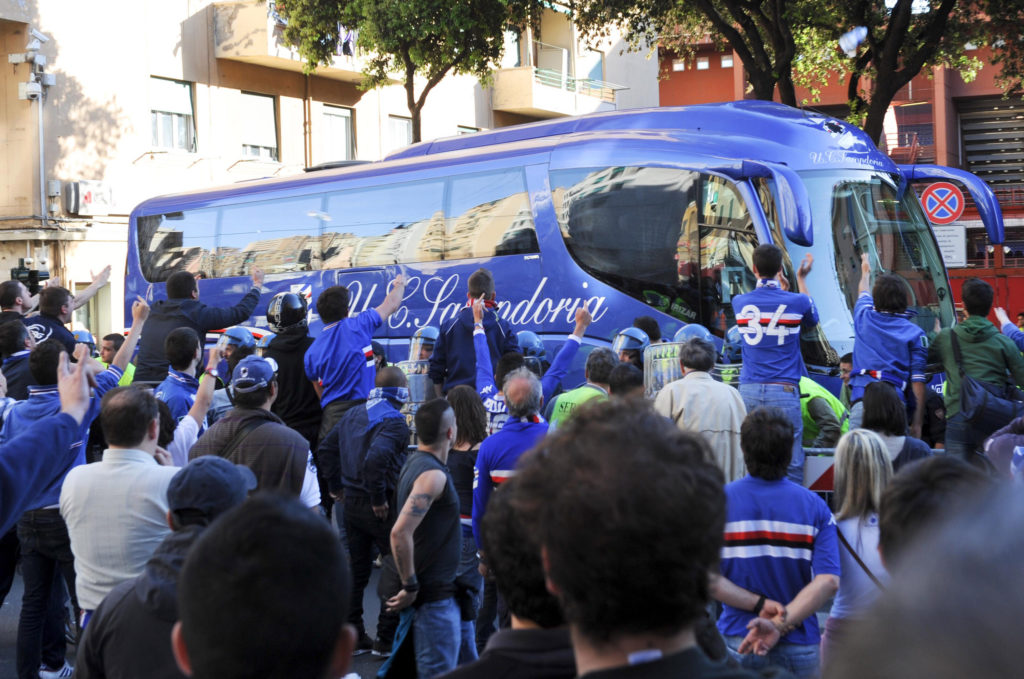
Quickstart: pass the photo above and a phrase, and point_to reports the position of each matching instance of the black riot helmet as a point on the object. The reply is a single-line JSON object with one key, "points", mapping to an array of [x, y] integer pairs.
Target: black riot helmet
{"points": [[286, 310]]}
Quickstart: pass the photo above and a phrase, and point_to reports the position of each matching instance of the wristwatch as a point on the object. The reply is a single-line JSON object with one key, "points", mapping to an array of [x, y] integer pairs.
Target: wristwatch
{"points": [[213, 372]]}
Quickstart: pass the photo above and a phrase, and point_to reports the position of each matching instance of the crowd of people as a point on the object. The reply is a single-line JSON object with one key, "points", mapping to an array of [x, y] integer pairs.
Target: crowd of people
{"points": [[219, 512]]}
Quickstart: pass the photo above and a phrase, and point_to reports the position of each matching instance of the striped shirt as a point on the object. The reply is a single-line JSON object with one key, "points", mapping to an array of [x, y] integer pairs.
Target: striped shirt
{"points": [[778, 537], [496, 461], [770, 320]]}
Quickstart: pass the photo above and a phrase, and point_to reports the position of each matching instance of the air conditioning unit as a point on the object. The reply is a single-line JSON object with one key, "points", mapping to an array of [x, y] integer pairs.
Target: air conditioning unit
{"points": [[88, 198]]}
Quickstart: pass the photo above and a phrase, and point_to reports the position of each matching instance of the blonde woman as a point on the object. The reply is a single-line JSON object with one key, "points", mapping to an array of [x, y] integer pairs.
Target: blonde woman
{"points": [[862, 471]]}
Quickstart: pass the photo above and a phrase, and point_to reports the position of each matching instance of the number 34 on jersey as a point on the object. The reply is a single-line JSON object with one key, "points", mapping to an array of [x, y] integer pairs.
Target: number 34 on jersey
{"points": [[756, 325]]}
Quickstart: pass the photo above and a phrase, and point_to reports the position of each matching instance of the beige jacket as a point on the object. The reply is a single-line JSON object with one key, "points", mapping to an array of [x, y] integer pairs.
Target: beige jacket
{"points": [[699, 403]]}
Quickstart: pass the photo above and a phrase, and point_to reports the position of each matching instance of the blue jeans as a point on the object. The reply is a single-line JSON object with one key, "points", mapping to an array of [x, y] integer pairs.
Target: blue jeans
{"points": [[437, 635], [856, 414], [787, 399], [45, 556], [962, 439], [802, 661]]}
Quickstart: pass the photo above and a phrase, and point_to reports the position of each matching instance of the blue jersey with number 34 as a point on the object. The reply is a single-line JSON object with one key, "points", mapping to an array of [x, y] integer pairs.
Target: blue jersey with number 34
{"points": [[770, 320]]}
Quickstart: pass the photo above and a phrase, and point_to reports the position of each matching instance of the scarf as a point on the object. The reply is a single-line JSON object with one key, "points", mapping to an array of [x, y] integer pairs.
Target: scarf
{"points": [[380, 405]]}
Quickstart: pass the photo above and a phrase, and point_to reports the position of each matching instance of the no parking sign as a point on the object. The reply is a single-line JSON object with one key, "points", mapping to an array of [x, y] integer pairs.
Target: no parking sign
{"points": [[943, 202]]}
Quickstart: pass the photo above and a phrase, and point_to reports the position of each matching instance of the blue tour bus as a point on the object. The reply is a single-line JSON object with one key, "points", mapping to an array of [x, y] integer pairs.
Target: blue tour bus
{"points": [[646, 212]]}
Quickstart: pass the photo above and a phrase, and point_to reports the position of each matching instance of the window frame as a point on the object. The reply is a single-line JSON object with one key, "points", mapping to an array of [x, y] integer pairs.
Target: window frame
{"points": [[158, 114], [261, 151]]}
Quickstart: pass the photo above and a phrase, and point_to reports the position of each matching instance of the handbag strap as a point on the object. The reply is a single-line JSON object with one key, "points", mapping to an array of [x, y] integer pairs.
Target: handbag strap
{"points": [[856, 557], [240, 435]]}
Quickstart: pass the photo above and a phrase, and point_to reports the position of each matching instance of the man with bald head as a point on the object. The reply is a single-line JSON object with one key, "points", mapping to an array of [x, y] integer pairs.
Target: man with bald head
{"points": [[360, 459], [499, 452]]}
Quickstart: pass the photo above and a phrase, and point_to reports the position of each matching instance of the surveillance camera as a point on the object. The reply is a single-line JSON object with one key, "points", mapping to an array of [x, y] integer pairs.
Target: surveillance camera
{"points": [[41, 37]]}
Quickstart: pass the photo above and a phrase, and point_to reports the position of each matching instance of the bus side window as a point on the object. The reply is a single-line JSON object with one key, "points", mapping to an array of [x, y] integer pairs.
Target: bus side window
{"points": [[634, 228], [278, 236], [383, 225], [488, 214], [177, 241]]}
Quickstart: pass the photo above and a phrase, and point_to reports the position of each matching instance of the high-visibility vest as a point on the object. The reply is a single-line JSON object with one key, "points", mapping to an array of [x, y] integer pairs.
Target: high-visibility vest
{"points": [[568, 401], [810, 389]]}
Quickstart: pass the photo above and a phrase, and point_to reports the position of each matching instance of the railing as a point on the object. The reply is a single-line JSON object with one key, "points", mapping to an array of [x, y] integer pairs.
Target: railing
{"points": [[604, 91]]}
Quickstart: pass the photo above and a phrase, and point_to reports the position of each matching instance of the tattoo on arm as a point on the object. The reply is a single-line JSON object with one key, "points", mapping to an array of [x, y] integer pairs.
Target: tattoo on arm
{"points": [[419, 504]]}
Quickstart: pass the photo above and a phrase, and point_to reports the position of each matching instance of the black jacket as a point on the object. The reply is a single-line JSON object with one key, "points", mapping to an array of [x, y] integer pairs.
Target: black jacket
{"points": [[522, 654], [364, 463], [297, 403], [170, 314], [128, 636]]}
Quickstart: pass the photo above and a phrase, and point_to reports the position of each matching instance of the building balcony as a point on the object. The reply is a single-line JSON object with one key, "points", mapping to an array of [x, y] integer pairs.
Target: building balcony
{"points": [[549, 93], [253, 32]]}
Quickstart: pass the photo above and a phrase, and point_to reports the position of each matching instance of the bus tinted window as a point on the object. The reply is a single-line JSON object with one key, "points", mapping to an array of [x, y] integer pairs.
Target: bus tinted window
{"points": [[488, 215], [384, 225], [635, 228], [276, 235], [177, 241]]}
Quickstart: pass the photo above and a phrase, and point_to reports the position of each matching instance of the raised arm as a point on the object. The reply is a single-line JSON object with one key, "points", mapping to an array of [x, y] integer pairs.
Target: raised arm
{"points": [[802, 272], [393, 301], [1008, 328], [485, 385], [427, 488], [211, 318], [563, 359], [98, 281], [204, 396], [865, 275], [140, 312]]}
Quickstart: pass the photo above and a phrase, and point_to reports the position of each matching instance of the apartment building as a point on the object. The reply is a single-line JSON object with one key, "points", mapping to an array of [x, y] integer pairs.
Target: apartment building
{"points": [[104, 106]]}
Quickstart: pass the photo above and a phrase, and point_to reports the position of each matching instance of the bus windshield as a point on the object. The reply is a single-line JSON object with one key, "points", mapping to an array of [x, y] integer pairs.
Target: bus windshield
{"points": [[863, 212]]}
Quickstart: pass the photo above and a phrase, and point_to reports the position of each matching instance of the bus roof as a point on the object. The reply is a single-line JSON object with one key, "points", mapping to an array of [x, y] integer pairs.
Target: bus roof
{"points": [[742, 130], [800, 130]]}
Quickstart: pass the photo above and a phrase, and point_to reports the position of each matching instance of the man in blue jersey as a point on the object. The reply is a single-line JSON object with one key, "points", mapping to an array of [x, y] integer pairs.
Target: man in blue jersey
{"points": [[486, 380], [453, 361], [55, 307], [770, 319], [780, 543], [496, 461], [340, 361], [889, 346], [178, 390], [15, 344]]}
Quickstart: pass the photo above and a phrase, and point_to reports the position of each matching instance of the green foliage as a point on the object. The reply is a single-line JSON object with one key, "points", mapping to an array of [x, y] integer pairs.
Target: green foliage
{"points": [[783, 43]]}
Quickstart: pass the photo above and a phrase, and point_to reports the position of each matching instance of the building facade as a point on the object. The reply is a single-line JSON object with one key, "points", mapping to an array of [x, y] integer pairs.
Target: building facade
{"points": [[100, 111]]}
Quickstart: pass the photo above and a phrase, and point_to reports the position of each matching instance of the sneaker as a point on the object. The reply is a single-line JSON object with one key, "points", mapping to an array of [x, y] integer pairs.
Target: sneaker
{"points": [[382, 649], [62, 673], [364, 645]]}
